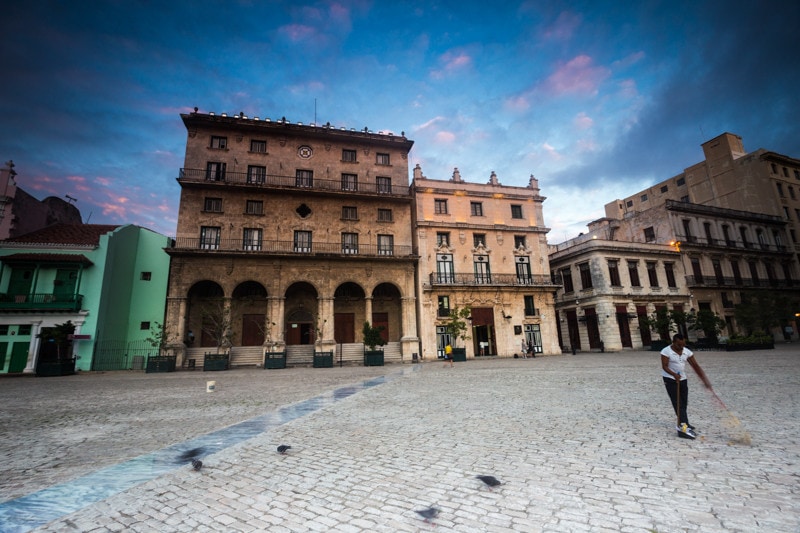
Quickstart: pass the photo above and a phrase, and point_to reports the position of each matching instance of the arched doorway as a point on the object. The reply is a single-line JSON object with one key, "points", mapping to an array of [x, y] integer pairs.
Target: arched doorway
{"points": [[348, 312], [301, 314], [206, 313], [387, 311], [248, 313]]}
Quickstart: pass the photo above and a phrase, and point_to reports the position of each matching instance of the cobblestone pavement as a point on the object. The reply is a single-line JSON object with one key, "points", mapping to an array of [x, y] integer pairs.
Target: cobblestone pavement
{"points": [[581, 443]]}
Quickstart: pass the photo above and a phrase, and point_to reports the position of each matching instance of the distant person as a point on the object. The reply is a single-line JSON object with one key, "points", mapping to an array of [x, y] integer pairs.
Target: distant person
{"points": [[190, 338], [448, 355], [524, 349], [673, 364]]}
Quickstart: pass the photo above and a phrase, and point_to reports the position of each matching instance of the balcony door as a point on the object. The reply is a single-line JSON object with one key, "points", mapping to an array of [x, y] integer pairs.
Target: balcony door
{"points": [[65, 283]]}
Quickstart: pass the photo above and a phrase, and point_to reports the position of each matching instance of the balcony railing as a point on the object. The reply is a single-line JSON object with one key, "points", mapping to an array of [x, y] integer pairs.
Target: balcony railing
{"points": [[272, 181], [490, 279], [730, 243], [712, 281], [291, 247], [35, 302]]}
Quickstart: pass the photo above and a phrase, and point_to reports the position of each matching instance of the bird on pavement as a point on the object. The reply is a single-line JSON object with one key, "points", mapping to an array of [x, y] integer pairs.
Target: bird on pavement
{"points": [[197, 464], [490, 481], [282, 449], [428, 514], [188, 455]]}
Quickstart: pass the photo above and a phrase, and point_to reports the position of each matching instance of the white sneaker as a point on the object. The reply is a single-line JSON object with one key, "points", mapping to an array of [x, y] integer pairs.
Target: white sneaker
{"points": [[685, 432]]}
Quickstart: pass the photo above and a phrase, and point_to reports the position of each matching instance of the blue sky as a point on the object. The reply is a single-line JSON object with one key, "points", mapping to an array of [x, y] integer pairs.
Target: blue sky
{"points": [[597, 99]]}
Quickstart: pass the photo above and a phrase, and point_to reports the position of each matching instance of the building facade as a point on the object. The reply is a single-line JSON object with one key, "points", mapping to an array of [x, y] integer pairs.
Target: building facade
{"points": [[109, 281], [291, 237], [483, 246]]}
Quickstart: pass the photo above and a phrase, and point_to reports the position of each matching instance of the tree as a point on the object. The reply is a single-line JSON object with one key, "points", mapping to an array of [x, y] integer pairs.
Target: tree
{"points": [[759, 312], [709, 323], [661, 321], [159, 337], [372, 336], [217, 322], [456, 323], [60, 336]]}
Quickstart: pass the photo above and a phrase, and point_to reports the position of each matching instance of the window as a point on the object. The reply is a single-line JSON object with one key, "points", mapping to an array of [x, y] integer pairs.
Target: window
{"points": [[797, 174], [516, 211], [384, 215], [687, 230], [25, 329], [530, 308], [785, 172], [4, 329], [254, 207], [478, 239], [304, 178], [649, 234], [633, 273], [385, 245], [251, 239], [442, 238], [381, 159], [697, 270], [349, 156], [680, 182], [726, 234], [737, 274], [762, 240], [685, 199], [444, 307], [586, 276], [643, 198], [258, 146], [709, 235], [212, 205], [144, 326], [791, 193], [219, 142], [716, 265], [776, 236], [146, 276], [793, 235], [566, 279], [743, 235], [444, 268], [780, 190], [440, 206], [476, 209], [524, 271], [613, 273], [753, 271], [652, 275], [384, 185], [669, 269], [215, 171], [664, 188], [349, 243], [519, 241], [774, 168], [302, 241], [629, 203], [349, 213], [256, 174], [349, 182], [209, 237], [481, 266]]}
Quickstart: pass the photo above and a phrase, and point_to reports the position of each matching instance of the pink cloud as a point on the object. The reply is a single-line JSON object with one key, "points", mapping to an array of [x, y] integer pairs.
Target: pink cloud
{"points": [[298, 32], [583, 121], [578, 75], [518, 103], [445, 137], [563, 28], [451, 62], [105, 182]]}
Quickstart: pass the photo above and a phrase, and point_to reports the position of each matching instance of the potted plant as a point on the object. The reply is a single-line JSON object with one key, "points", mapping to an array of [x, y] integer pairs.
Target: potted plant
{"points": [[55, 354], [458, 328], [372, 339], [217, 324], [321, 359], [272, 359], [161, 362]]}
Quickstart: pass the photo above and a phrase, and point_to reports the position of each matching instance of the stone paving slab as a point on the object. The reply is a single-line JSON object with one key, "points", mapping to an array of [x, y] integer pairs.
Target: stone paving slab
{"points": [[581, 443]]}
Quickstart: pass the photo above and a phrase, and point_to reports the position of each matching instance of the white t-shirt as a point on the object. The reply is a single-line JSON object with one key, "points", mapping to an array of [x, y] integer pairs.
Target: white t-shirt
{"points": [[677, 363]]}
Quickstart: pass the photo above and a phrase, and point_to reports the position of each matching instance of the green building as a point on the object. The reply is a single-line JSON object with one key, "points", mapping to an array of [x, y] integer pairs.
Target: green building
{"points": [[109, 282]]}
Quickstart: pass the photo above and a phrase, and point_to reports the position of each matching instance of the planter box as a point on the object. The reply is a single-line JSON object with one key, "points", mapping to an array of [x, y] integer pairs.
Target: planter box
{"points": [[160, 363], [275, 360], [752, 346], [373, 358], [657, 346], [323, 359], [459, 354], [215, 361], [65, 367]]}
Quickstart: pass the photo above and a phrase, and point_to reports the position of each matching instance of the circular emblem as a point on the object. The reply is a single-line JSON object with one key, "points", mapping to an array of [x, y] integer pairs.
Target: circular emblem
{"points": [[305, 152]]}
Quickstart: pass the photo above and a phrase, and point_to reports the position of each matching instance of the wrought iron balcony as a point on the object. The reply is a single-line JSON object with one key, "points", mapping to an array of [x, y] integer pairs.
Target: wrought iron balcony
{"points": [[435, 279], [41, 302], [714, 281], [730, 243], [272, 181], [290, 247]]}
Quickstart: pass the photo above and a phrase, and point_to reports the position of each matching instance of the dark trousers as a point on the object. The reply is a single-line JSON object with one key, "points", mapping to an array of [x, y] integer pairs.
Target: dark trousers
{"points": [[672, 390]]}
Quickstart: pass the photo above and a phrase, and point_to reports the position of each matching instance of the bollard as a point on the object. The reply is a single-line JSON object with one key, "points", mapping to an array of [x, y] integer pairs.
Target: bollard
{"points": [[211, 386]]}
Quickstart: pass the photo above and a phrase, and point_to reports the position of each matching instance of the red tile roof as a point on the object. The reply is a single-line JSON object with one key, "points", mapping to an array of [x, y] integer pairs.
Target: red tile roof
{"points": [[85, 234], [46, 258]]}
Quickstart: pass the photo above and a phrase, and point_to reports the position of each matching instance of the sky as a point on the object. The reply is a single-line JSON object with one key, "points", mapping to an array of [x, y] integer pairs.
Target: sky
{"points": [[596, 99]]}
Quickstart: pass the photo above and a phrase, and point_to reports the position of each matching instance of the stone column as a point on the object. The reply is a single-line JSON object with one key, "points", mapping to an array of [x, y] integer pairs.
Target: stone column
{"points": [[325, 318], [33, 350], [409, 340]]}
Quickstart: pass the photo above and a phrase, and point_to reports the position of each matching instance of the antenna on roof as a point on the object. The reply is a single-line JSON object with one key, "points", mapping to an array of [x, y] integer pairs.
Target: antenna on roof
{"points": [[70, 199]]}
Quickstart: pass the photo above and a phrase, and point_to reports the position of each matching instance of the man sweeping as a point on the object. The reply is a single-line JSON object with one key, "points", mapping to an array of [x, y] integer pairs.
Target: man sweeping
{"points": [[673, 362]]}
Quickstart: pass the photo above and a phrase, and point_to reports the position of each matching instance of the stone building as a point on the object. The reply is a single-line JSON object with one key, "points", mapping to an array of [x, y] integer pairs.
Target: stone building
{"points": [[291, 236], [608, 288], [483, 246]]}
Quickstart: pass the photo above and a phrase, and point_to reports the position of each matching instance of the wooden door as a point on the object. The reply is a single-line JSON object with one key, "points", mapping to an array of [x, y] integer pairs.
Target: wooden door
{"points": [[252, 330], [344, 330], [381, 319]]}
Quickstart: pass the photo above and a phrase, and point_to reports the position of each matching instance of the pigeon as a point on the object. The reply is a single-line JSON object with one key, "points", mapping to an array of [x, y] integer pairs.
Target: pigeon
{"points": [[428, 514], [188, 455], [490, 481], [197, 464], [282, 449]]}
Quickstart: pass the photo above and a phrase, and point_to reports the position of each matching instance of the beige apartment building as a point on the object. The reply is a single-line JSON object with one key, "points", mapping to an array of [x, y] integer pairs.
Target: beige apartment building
{"points": [[483, 246], [290, 236], [608, 288]]}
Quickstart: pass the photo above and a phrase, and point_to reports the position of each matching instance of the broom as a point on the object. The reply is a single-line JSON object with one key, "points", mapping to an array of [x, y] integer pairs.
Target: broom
{"points": [[738, 435]]}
